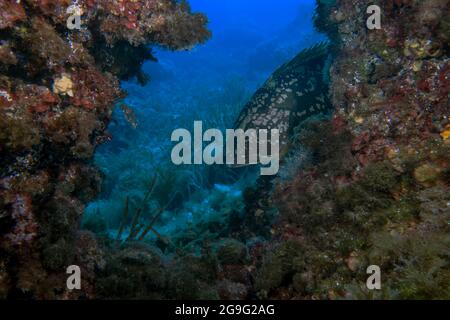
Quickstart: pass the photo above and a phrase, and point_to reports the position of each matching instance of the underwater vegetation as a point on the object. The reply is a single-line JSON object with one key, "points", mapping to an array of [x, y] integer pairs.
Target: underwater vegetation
{"points": [[129, 162], [367, 183]]}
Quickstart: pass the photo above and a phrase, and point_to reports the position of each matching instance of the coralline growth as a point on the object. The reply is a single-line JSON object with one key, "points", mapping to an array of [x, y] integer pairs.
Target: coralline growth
{"points": [[58, 88]]}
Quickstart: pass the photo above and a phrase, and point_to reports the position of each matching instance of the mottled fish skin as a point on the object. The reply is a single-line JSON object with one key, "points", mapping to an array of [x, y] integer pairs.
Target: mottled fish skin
{"points": [[295, 92]]}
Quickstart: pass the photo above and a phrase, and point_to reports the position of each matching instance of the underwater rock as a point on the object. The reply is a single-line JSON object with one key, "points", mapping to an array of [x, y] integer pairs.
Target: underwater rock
{"points": [[232, 291], [193, 277], [353, 262], [373, 186], [427, 174], [232, 252], [58, 88], [135, 271]]}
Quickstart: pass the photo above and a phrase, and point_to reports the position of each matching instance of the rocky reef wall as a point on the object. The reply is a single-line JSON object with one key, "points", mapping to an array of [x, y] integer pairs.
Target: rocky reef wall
{"points": [[58, 88], [375, 188]]}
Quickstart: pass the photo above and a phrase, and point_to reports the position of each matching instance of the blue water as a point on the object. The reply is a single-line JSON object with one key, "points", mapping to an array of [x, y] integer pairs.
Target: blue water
{"points": [[211, 82]]}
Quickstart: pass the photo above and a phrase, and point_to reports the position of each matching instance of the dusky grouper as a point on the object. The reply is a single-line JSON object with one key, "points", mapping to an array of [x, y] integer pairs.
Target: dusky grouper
{"points": [[295, 92]]}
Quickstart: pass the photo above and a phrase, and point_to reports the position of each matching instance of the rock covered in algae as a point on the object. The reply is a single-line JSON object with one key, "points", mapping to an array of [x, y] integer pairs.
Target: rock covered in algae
{"points": [[373, 189], [58, 88]]}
